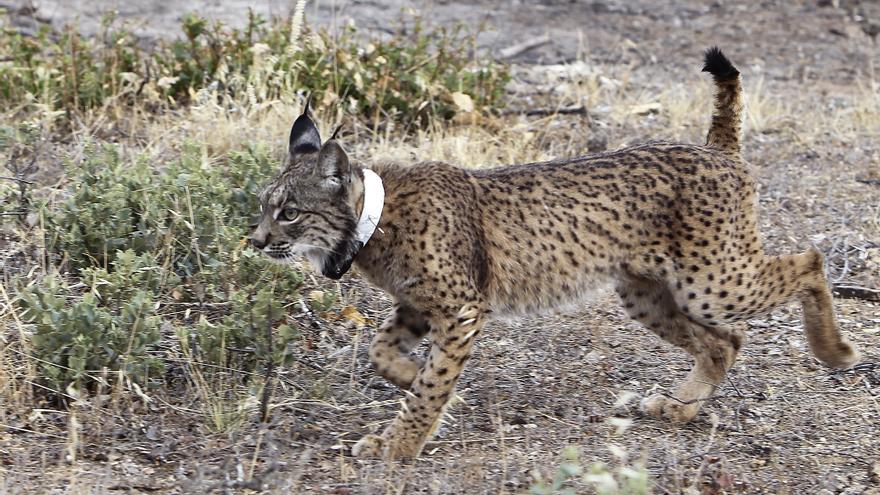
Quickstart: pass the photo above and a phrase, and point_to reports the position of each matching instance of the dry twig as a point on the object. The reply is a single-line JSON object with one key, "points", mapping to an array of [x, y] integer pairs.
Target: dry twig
{"points": [[573, 110], [520, 48], [856, 292]]}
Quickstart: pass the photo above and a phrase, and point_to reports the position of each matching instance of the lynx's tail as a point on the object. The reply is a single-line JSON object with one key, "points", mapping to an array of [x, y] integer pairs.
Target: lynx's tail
{"points": [[726, 129]]}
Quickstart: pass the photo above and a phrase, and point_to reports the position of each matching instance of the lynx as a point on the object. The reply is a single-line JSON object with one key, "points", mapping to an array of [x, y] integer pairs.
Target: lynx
{"points": [[672, 227]]}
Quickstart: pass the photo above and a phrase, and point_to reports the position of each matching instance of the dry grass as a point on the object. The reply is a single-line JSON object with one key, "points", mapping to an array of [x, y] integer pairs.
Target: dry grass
{"points": [[678, 112]]}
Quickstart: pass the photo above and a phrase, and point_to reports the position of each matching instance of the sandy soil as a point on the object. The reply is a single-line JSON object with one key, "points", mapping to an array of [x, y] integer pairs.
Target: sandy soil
{"points": [[783, 424]]}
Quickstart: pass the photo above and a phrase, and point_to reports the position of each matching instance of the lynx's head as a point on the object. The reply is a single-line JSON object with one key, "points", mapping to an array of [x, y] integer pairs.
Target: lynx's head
{"points": [[308, 209]]}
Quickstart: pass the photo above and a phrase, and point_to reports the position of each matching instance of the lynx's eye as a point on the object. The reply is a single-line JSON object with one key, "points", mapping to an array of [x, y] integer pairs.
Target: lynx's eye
{"points": [[290, 214]]}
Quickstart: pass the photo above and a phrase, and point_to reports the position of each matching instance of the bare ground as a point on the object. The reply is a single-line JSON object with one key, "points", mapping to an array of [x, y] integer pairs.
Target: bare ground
{"points": [[782, 424]]}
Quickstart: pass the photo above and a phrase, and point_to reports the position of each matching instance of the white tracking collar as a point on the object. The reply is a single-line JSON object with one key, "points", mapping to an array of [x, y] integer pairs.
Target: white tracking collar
{"points": [[374, 200]]}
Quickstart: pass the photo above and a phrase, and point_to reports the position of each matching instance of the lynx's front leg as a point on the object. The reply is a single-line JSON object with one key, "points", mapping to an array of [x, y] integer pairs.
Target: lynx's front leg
{"points": [[452, 341], [390, 349]]}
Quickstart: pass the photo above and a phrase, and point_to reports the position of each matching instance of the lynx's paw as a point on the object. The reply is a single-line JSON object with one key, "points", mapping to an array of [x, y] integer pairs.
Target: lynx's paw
{"points": [[370, 446], [384, 447], [662, 407], [468, 315], [840, 356]]}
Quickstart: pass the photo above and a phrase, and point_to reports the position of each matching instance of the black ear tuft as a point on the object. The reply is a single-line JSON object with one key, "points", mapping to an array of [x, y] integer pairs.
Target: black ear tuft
{"points": [[338, 128], [304, 137]]}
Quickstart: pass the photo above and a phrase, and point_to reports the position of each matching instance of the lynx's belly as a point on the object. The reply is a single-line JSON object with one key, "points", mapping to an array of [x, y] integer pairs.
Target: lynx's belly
{"points": [[529, 298], [539, 277]]}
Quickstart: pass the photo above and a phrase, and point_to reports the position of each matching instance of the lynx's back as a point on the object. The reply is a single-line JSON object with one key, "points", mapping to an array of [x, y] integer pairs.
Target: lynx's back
{"points": [[654, 210]]}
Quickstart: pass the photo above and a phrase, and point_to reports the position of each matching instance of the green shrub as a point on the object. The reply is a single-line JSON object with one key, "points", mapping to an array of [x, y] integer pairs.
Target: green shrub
{"points": [[191, 215], [133, 233], [252, 335], [18, 157], [568, 470], [65, 69], [130, 274], [621, 480], [409, 78], [108, 208], [75, 340]]}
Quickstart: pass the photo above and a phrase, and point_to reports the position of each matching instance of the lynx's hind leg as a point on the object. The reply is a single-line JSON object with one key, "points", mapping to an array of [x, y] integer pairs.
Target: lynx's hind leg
{"points": [[823, 334], [743, 291], [714, 348]]}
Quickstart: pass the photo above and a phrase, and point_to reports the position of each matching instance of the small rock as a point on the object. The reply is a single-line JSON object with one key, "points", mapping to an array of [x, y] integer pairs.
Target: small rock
{"points": [[597, 142]]}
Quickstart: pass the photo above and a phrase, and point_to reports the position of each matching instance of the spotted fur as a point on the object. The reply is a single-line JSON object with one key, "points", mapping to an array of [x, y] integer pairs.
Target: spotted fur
{"points": [[672, 227]]}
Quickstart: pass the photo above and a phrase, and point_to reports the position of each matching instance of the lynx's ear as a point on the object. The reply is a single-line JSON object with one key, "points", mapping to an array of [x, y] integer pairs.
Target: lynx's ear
{"points": [[333, 165], [304, 137]]}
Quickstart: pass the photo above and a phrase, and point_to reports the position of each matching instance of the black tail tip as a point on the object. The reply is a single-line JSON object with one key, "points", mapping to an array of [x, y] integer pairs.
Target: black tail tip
{"points": [[718, 65]]}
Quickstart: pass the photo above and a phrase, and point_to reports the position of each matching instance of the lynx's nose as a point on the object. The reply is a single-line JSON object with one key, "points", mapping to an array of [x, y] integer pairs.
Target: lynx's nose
{"points": [[259, 239], [258, 243]]}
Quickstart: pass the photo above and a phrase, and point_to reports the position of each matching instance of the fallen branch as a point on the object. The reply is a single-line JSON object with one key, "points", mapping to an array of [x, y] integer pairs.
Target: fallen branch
{"points": [[759, 396], [865, 367], [576, 110], [868, 180], [525, 46], [856, 292], [140, 488]]}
